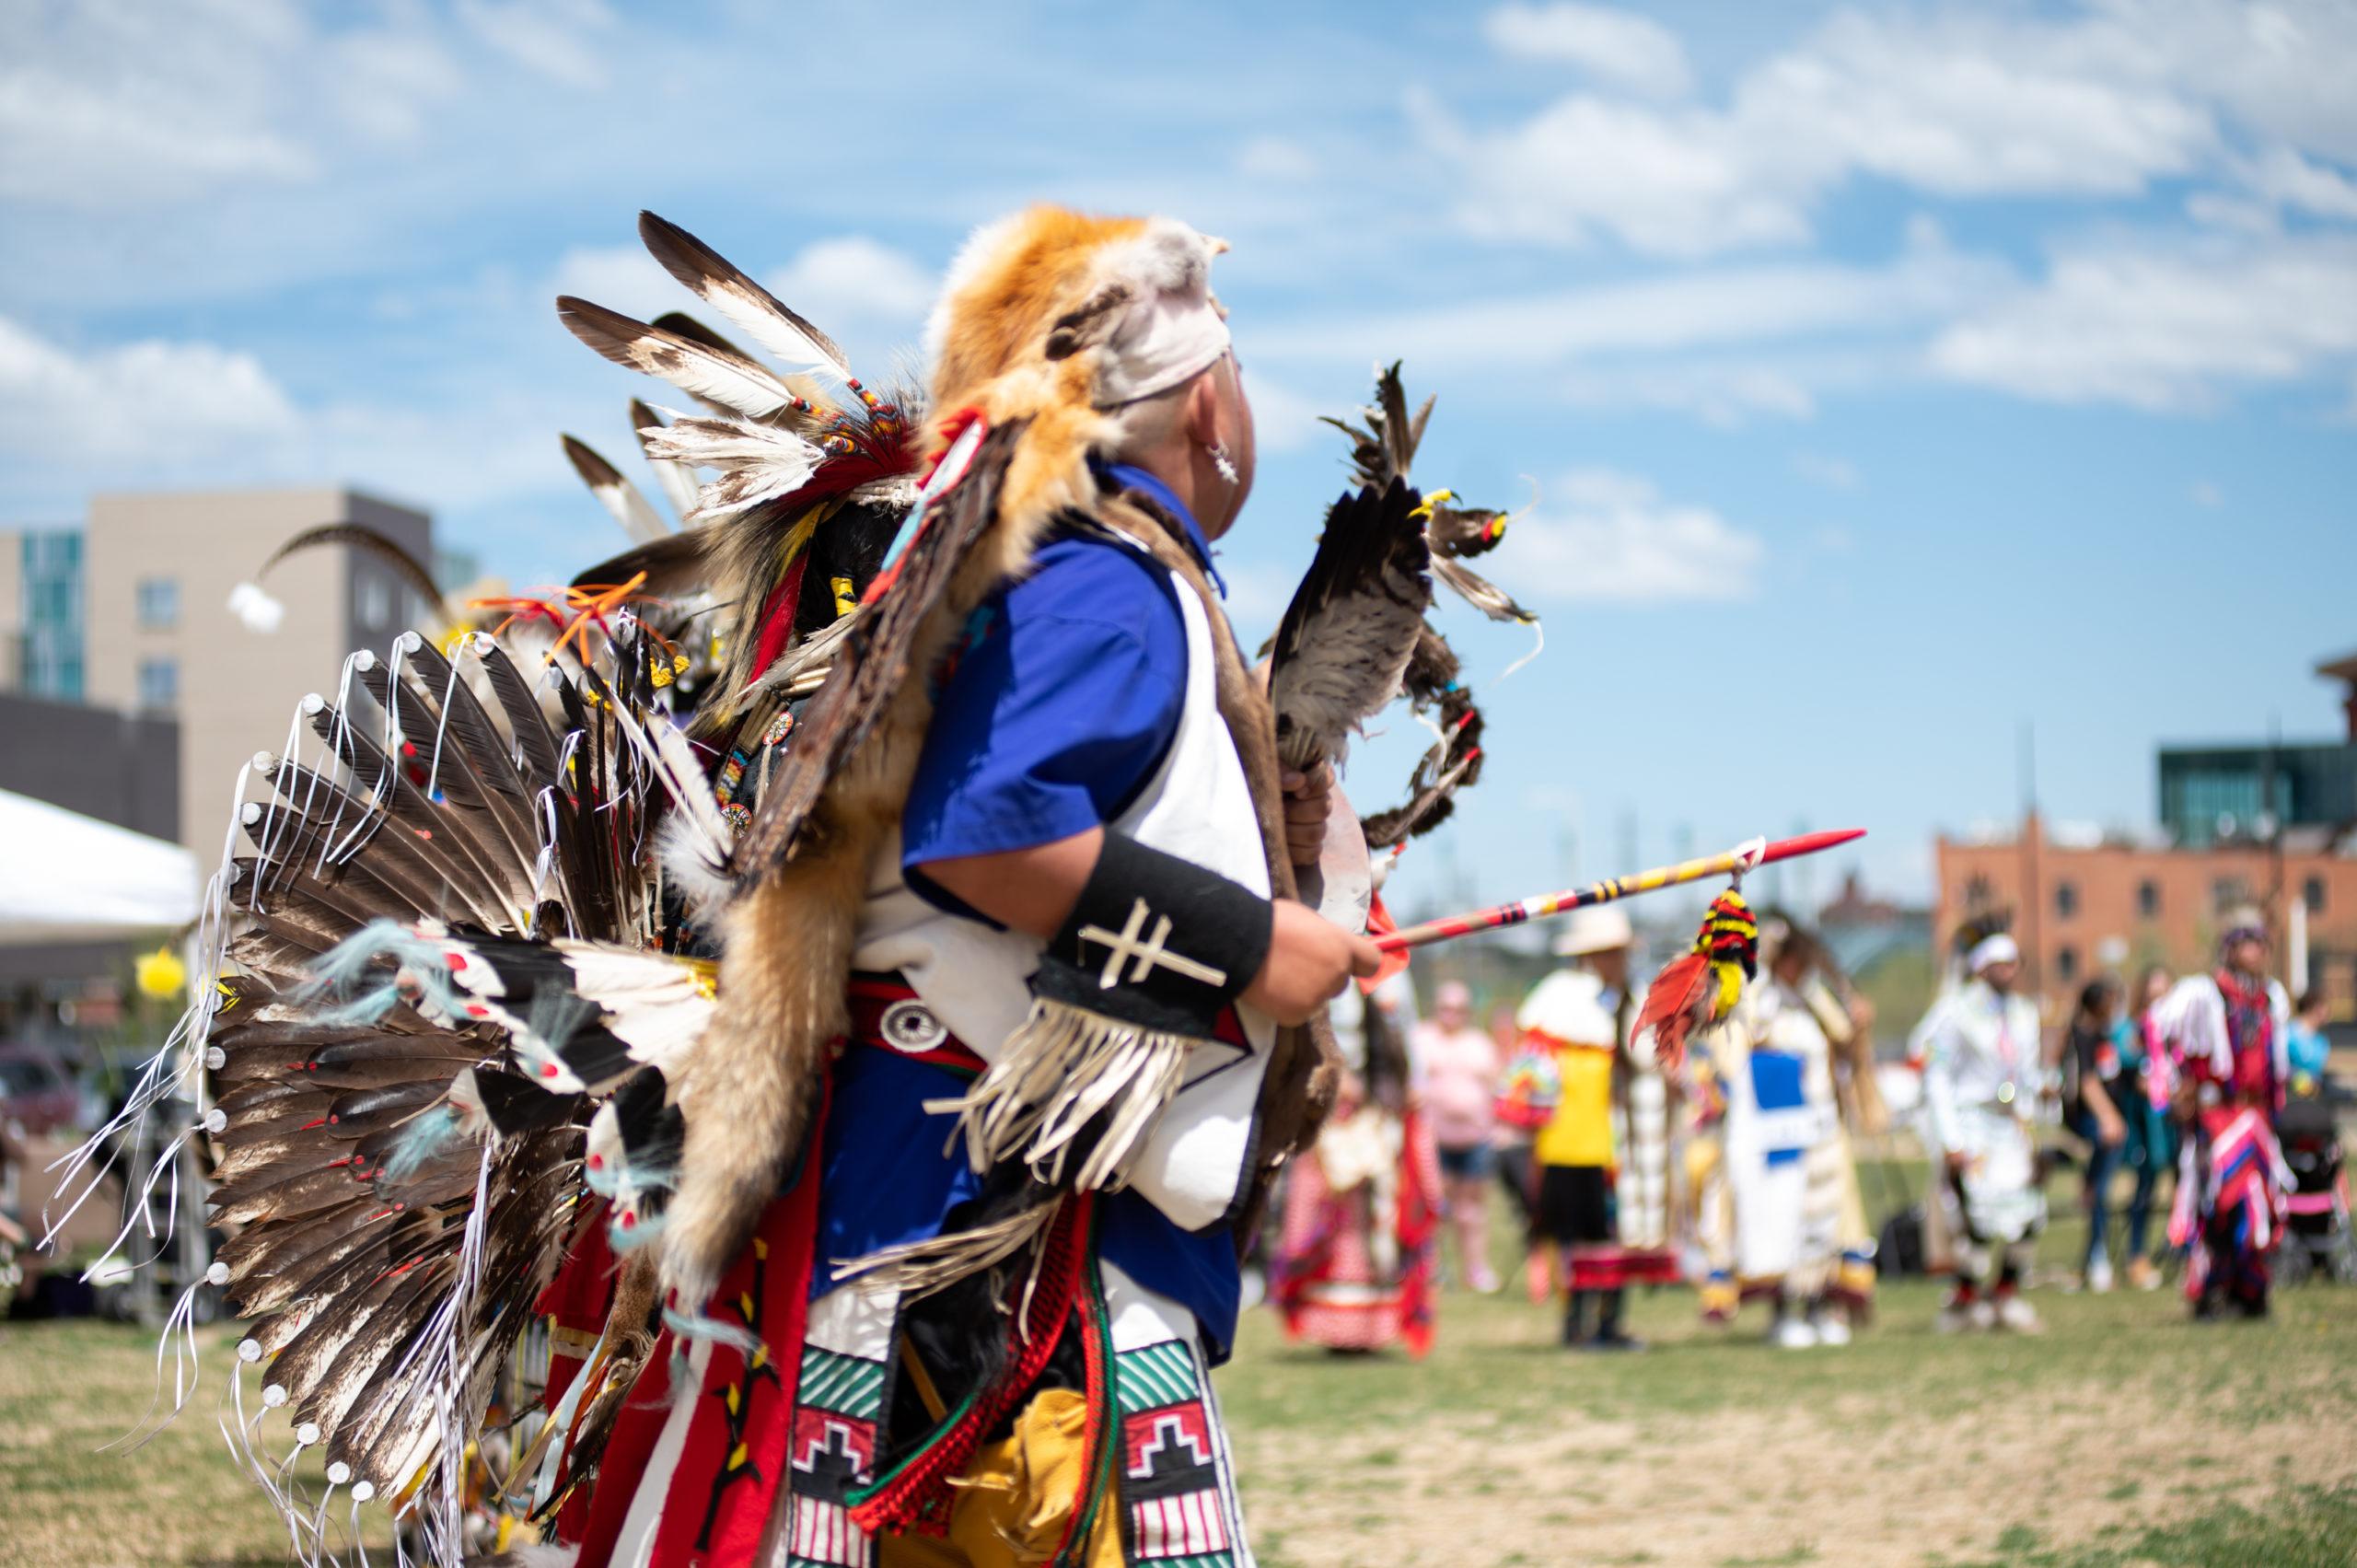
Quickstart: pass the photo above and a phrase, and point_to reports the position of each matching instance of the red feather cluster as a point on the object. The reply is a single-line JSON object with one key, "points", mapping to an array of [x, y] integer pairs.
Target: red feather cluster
{"points": [[1678, 1002], [1689, 993]]}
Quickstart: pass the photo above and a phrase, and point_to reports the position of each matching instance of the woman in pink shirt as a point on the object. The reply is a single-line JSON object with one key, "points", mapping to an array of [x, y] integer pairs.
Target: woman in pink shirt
{"points": [[1456, 1069]]}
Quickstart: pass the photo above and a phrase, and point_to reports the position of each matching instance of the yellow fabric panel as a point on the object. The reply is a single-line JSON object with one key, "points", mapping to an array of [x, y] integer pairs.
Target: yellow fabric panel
{"points": [[1579, 1132], [1016, 1497]]}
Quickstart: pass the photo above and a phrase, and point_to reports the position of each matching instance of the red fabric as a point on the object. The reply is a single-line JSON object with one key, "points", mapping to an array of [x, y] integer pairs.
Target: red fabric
{"points": [[578, 1298], [1611, 1268], [709, 1522], [1326, 1242], [627, 1451], [1380, 924]]}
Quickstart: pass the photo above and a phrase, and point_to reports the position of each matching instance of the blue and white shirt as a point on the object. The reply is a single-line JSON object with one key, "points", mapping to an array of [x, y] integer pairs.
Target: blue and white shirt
{"points": [[1051, 715]]}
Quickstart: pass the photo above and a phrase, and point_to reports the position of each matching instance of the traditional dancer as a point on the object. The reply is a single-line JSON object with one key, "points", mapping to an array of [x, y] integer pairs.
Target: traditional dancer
{"points": [[1072, 947], [1796, 1222], [1357, 1262], [2228, 1031], [994, 847], [1603, 1152], [1981, 1073]]}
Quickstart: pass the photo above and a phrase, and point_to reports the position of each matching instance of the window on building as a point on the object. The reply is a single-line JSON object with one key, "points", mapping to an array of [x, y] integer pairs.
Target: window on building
{"points": [[2312, 894], [2148, 899], [2228, 893], [160, 683], [1976, 891], [2066, 898], [159, 602], [2066, 964]]}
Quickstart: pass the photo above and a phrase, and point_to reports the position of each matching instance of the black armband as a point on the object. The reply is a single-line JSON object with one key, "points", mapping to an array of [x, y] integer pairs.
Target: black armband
{"points": [[1156, 941]]}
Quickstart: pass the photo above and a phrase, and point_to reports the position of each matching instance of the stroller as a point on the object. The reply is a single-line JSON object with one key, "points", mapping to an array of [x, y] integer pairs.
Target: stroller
{"points": [[2318, 1235]]}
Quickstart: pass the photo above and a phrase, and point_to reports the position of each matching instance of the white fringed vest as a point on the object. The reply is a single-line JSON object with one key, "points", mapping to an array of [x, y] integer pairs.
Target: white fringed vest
{"points": [[973, 977]]}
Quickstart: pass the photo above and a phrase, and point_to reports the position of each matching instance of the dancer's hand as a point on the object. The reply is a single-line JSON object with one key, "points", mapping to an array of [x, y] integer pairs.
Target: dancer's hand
{"points": [[1308, 800], [1310, 960]]}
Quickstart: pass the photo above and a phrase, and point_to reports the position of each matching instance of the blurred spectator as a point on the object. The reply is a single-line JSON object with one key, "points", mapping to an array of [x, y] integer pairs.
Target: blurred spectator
{"points": [[2098, 1084], [2143, 1105], [1456, 1065], [2305, 1045], [1509, 1140]]}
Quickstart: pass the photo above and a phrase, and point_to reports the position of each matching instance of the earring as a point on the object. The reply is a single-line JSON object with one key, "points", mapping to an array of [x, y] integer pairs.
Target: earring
{"points": [[1224, 463]]}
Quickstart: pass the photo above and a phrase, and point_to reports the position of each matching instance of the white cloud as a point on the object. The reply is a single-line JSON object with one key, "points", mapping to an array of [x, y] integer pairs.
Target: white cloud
{"points": [[856, 278], [1676, 182], [1616, 47], [619, 277], [1276, 158], [102, 105], [143, 407], [190, 413], [2285, 178], [2206, 494], [1679, 311], [1961, 104], [1603, 535], [2163, 330], [550, 38], [389, 80], [1723, 395]]}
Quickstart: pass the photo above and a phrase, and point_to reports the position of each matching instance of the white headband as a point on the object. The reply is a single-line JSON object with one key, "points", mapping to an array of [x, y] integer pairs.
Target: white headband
{"points": [[1172, 330], [1998, 949]]}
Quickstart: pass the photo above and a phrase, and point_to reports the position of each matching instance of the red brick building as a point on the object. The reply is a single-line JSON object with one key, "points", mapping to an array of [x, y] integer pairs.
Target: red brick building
{"points": [[2080, 910], [2268, 824]]}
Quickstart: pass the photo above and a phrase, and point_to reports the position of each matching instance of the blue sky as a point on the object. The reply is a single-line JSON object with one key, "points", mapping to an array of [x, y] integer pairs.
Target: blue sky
{"points": [[1887, 376]]}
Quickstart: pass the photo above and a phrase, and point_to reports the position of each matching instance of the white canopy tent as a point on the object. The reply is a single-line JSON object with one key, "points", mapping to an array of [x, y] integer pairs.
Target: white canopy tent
{"points": [[67, 877]]}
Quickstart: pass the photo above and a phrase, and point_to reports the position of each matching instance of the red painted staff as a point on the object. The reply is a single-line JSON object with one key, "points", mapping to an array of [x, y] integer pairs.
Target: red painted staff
{"points": [[1734, 863]]}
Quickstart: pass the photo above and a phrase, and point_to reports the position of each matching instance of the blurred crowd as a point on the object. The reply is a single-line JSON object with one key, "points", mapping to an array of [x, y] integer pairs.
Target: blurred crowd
{"points": [[2186, 1116]]}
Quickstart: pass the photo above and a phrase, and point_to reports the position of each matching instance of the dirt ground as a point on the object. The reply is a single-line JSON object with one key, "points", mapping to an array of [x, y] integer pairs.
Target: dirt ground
{"points": [[1754, 1487], [2119, 1436], [2124, 1436]]}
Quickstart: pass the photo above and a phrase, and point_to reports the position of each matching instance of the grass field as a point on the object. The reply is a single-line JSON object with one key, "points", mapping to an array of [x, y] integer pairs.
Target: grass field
{"points": [[2125, 1436]]}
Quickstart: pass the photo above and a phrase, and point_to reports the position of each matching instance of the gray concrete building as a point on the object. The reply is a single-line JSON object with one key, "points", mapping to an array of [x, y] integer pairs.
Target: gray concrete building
{"points": [[119, 767], [159, 635]]}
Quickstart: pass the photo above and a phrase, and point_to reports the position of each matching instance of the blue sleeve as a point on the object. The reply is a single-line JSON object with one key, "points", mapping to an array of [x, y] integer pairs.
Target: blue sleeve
{"points": [[1054, 711]]}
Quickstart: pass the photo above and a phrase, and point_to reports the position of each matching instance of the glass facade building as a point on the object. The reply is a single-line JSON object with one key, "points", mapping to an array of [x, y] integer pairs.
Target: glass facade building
{"points": [[2214, 793], [49, 662]]}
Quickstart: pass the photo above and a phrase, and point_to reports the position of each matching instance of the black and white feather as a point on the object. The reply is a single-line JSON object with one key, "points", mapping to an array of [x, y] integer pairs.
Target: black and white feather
{"points": [[1348, 634]]}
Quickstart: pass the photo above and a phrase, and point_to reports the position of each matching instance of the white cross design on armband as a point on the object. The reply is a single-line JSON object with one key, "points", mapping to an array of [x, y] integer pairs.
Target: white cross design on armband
{"points": [[1153, 950]]}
